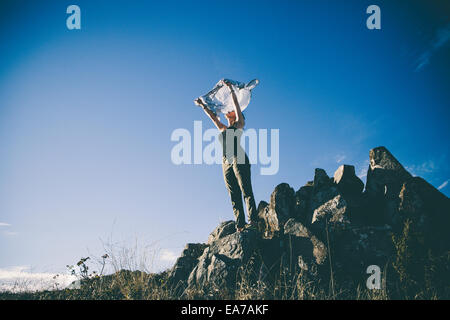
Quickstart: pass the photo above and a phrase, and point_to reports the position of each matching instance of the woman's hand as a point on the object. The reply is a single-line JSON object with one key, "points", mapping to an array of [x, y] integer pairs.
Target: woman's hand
{"points": [[199, 102], [228, 83]]}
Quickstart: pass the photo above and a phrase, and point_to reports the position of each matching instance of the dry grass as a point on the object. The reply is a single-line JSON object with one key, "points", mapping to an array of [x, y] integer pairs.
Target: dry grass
{"points": [[131, 279]]}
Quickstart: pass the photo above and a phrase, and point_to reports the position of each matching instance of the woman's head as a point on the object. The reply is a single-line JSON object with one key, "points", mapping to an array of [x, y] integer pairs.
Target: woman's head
{"points": [[231, 117]]}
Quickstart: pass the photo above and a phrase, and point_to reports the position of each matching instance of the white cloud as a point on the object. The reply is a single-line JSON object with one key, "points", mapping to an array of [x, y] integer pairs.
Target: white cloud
{"points": [[20, 278], [421, 169], [339, 158], [168, 256], [362, 172], [443, 185], [7, 233], [10, 233], [441, 37]]}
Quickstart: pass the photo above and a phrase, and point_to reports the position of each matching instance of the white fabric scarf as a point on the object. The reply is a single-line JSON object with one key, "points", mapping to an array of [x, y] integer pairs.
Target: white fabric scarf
{"points": [[219, 99]]}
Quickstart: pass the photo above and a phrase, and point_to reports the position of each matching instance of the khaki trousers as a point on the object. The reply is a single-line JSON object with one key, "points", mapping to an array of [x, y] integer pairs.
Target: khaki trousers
{"points": [[238, 182]]}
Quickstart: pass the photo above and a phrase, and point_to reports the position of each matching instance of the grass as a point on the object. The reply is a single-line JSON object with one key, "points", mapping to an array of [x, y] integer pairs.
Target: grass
{"points": [[136, 285], [413, 272]]}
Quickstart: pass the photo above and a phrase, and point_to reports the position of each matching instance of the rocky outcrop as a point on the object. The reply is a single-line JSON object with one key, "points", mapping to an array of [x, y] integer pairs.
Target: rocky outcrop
{"points": [[323, 190], [328, 226], [385, 175], [317, 252], [224, 229], [302, 202], [274, 215], [180, 272], [333, 211], [385, 178], [347, 181], [421, 202], [217, 267]]}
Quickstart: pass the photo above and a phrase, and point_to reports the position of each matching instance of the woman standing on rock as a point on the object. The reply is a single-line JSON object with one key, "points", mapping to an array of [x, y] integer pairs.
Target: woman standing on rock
{"points": [[235, 163]]}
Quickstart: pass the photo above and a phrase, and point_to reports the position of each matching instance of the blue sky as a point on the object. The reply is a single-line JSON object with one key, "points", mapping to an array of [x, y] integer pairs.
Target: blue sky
{"points": [[86, 115]]}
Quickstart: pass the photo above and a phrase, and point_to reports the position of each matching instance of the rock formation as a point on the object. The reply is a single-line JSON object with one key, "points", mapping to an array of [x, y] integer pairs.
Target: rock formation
{"points": [[330, 226]]}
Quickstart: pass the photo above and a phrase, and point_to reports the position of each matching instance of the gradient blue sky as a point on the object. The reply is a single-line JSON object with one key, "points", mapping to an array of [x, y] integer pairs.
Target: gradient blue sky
{"points": [[86, 115]]}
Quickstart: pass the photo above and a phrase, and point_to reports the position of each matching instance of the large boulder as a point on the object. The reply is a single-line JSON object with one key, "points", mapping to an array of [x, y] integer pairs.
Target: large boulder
{"points": [[333, 211], [323, 191], [278, 211], [282, 203], [422, 203], [302, 202], [352, 251], [355, 248], [217, 266], [347, 181], [317, 250], [224, 229], [371, 244], [179, 273], [321, 179], [385, 175], [306, 253], [385, 178]]}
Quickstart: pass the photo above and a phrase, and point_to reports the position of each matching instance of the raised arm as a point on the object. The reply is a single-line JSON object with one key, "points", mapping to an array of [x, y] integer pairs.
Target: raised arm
{"points": [[240, 122], [211, 115]]}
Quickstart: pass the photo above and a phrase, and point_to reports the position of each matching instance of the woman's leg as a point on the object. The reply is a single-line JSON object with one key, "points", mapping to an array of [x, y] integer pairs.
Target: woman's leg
{"points": [[235, 193], [243, 176]]}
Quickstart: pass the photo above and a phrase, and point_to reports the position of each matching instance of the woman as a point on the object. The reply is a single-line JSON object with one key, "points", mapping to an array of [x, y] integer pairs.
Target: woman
{"points": [[235, 163]]}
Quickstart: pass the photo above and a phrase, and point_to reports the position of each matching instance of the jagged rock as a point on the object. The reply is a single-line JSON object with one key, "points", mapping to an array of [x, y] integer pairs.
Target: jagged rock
{"points": [[326, 227], [354, 249], [321, 179], [306, 253], [419, 197], [185, 263], [296, 228], [427, 207], [282, 203], [385, 175], [323, 191], [302, 202], [309, 241], [224, 229], [280, 209], [321, 196], [305, 192], [334, 211], [373, 244], [385, 178], [217, 266], [347, 181], [261, 206], [351, 187]]}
